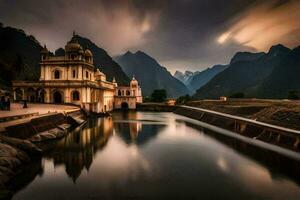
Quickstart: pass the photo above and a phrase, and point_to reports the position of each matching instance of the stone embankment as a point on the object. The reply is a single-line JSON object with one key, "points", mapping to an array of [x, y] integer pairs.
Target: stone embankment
{"points": [[25, 142], [285, 113], [273, 121], [284, 137]]}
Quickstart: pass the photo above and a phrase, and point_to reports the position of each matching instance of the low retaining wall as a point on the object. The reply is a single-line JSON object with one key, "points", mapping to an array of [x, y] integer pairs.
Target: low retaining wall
{"points": [[279, 136], [39, 124], [14, 117]]}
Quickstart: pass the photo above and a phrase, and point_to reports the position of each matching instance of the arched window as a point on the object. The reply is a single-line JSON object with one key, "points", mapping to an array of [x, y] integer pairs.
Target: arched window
{"points": [[134, 85], [127, 93], [75, 96], [57, 74], [119, 93], [87, 74], [74, 73]]}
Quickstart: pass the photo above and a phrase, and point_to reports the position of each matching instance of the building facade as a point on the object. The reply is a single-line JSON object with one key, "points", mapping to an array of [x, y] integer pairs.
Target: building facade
{"points": [[73, 79], [128, 97]]}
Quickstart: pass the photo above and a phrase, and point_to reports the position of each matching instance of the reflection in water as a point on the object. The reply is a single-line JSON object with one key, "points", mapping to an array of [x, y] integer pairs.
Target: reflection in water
{"points": [[278, 165], [76, 151], [159, 155], [134, 131]]}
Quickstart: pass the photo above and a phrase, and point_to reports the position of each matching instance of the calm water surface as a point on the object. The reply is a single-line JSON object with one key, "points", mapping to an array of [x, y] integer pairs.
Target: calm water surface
{"points": [[158, 156]]}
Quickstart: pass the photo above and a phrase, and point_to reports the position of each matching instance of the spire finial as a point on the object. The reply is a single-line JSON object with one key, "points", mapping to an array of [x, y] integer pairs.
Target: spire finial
{"points": [[74, 33]]}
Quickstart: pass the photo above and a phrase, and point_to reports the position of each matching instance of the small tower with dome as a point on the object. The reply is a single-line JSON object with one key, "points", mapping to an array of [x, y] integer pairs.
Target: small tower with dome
{"points": [[126, 97]]}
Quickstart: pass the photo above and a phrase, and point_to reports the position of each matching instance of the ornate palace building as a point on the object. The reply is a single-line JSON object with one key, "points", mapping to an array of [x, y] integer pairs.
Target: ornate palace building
{"points": [[72, 78]]}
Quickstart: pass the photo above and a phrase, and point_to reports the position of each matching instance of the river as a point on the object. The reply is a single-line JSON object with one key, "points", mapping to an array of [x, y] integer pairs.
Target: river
{"points": [[145, 155]]}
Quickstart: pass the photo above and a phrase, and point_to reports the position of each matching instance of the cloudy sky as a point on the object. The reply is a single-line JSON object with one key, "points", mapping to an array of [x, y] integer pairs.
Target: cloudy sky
{"points": [[180, 34]]}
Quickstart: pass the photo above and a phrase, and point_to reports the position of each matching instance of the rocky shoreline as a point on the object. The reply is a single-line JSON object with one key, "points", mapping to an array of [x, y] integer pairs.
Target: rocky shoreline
{"points": [[24, 144]]}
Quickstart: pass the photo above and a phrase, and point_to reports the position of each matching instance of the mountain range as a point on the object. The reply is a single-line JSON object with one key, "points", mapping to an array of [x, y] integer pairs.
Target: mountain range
{"points": [[260, 75], [19, 56], [185, 77], [195, 80], [150, 74]]}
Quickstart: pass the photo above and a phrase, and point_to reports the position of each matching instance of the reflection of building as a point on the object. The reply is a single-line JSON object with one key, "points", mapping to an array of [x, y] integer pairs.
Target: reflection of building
{"points": [[134, 131], [72, 78], [76, 151]]}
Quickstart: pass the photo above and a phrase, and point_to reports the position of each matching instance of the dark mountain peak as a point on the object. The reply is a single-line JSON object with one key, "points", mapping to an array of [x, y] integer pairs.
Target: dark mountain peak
{"points": [[143, 54], [245, 56], [128, 53], [146, 58], [150, 74], [201, 78], [188, 73], [178, 73], [278, 49], [140, 53]]}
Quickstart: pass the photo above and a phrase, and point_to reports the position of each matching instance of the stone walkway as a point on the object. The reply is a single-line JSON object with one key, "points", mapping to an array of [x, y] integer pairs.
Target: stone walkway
{"points": [[17, 109], [42, 109]]}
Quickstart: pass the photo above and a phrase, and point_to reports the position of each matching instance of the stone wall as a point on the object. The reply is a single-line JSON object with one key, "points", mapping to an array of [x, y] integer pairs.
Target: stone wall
{"points": [[286, 139]]}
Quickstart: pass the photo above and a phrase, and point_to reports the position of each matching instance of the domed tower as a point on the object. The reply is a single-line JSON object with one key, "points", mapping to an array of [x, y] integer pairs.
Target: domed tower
{"points": [[44, 53], [73, 50], [99, 76], [115, 82], [88, 56], [134, 86]]}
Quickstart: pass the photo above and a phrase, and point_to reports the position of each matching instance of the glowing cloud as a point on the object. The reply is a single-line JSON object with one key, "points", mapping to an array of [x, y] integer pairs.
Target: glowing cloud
{"points": [[264, 25]]}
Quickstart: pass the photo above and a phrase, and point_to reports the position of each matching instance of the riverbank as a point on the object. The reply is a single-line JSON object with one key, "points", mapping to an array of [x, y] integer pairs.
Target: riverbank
{"points": [[272, 121], [157, 153], [285, 113], [25, 140], [276, 135]]}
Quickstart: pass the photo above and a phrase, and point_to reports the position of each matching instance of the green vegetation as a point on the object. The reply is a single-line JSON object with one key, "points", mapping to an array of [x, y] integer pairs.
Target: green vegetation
{"points": [[147, 99], [159, 95], [293, 95], [183, 99]]}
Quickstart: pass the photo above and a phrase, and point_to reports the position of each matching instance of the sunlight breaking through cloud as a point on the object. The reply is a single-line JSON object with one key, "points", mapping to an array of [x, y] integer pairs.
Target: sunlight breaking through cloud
{"points": [[264, 25]]}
